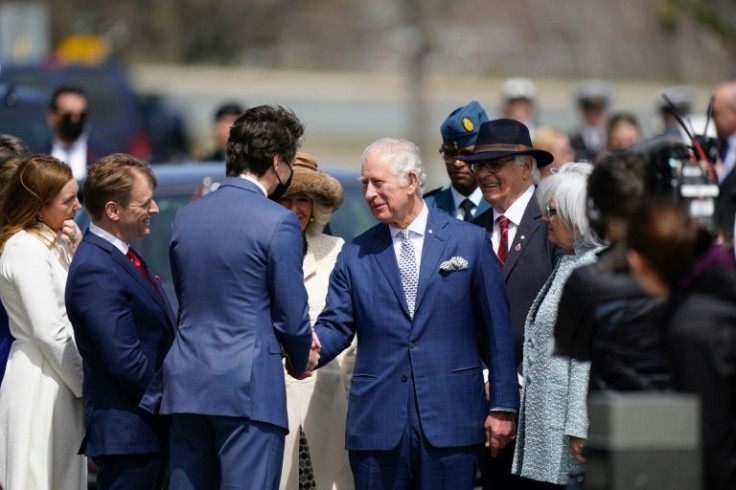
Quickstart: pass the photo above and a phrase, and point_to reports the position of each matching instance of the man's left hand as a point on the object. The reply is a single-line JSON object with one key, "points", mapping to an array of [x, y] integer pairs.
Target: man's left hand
{"points": [[500, 429]]}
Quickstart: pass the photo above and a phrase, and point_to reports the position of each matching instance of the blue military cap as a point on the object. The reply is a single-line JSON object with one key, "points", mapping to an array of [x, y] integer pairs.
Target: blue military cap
{"points": [[461, 126]]}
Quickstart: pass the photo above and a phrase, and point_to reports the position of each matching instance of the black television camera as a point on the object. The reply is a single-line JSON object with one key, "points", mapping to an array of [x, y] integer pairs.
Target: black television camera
{"points": [[683, 173]]}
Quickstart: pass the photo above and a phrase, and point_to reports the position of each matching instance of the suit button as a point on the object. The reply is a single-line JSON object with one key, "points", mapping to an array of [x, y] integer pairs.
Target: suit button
{"points": [[404, 378], [411, 345]]}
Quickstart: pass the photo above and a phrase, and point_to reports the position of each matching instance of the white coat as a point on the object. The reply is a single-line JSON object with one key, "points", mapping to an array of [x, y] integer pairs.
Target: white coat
{"points": [[41, 421]]}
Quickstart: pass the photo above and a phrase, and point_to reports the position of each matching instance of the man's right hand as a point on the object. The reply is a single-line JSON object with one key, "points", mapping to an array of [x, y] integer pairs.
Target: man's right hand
{"points": [[311, 363]]}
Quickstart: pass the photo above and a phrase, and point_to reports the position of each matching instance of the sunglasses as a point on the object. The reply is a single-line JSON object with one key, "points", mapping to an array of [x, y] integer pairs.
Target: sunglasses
{"points": [[491, 166], [449, 155], [550, 210]]}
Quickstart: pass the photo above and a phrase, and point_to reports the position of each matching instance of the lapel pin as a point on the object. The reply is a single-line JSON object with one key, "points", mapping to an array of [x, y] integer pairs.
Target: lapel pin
{"points": [[429, 231], [518, 246], [522, 237]]}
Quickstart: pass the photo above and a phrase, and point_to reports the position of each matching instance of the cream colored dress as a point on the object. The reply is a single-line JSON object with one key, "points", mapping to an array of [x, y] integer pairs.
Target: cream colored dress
{"points": [[41, 417], [319, 403]]}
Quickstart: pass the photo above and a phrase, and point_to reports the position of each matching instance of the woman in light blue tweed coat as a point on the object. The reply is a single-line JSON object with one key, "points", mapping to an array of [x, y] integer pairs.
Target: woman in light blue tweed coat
{"points": [[553, 419]]}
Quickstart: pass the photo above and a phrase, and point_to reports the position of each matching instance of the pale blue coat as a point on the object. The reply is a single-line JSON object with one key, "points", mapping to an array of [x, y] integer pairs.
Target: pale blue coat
{"points": [[553, 401]]}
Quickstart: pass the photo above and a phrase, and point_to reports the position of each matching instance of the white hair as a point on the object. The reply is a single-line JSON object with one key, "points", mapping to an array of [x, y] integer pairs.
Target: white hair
{"points": [[566, 188], [403, 157], [520, 160]]}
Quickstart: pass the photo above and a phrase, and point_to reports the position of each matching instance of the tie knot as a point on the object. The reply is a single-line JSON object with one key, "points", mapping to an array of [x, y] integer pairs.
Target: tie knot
{"points": [[133, 256], [503, 222], [467, 205], [404, 234]]}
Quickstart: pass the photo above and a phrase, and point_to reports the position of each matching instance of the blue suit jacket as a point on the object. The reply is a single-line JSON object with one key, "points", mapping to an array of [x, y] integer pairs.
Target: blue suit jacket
{"points": [[443, 201], [529, 263], [236, 260], [123, 328], [460, 317]]}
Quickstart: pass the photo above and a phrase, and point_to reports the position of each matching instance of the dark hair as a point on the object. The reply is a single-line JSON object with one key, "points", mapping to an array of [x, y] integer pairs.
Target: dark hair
{"points": [[617, 187], [622, 118], [671, 241], [111, 179], [11, 147], [63, 90], [228, 109], [38, 179], [260, 134]]}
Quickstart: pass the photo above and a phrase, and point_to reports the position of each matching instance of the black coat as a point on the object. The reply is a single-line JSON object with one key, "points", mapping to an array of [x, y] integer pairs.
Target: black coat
{"points": [[701, 345], [529, 263], [606, 318]]}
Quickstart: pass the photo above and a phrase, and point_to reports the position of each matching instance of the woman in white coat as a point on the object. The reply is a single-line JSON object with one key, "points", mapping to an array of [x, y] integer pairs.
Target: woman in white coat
{"points": [[41, 423], [553, 418], [317, 405]]}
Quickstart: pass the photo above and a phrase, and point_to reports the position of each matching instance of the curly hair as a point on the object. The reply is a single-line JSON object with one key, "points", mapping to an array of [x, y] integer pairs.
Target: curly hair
{"points": [[260, 134]]}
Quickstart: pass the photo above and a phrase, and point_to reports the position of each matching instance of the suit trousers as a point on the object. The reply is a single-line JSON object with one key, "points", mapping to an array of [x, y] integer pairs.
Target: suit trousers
{"points": [[124, 471], [414, 463], [210, 451]]}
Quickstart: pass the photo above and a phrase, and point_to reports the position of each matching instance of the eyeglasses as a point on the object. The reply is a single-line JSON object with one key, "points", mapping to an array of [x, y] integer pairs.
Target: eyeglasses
{"points": [[449, 155], [491, 166], [550, 210]]}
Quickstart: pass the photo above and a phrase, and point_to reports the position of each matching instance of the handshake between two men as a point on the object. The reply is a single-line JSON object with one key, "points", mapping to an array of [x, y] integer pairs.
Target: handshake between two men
{"points": [[311, 364]]}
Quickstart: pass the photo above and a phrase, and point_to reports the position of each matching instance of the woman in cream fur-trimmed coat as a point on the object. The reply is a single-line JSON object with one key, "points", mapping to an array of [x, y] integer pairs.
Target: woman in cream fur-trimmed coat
{"points": [[553, 418], [317, 405]]}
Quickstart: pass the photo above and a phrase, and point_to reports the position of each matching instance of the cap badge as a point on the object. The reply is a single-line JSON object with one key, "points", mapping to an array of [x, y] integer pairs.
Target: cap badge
{"points": [[468, 124]]}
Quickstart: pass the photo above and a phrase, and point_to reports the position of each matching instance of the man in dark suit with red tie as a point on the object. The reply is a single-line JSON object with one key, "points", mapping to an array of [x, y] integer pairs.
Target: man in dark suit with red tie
{"points": [[505, 165], [123, 326]]}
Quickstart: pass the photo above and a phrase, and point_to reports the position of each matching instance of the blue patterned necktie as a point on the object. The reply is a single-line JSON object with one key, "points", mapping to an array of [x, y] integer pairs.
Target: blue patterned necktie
{"points": [[408, 270]]}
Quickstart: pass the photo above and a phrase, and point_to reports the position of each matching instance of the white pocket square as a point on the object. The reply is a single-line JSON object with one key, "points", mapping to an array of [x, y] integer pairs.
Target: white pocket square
{"points": [[456, 263]]}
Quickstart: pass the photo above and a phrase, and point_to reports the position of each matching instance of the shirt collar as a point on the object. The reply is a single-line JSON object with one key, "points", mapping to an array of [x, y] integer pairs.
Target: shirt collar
{"points": [[474, 197], [418, 226], [106, 235], [250, 178], [78, 144], [516, 211]]}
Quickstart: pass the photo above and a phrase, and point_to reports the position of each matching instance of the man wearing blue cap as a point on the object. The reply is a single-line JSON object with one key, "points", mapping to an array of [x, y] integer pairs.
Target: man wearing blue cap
{"points": [[463, 199]]}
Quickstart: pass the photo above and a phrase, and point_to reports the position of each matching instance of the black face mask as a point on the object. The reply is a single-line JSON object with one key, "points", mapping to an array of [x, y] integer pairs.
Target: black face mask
{"points": [[72, 130], [280, 190]]}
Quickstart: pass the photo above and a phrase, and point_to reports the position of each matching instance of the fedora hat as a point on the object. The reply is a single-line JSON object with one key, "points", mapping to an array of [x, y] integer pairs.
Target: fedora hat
{"points": [[319, 186], [504, 137]]}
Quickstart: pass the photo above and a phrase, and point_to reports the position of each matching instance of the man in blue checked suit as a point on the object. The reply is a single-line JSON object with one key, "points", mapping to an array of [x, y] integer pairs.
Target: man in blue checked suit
{"points": [[423, 293], [123, 326], [236, 259]]}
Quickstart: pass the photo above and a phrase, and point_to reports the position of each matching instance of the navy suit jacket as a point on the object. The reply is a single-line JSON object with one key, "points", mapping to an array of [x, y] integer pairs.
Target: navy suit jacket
{"points": [[236, 260], [529, 263], [460, 316], [123, 329], [442, 200]]}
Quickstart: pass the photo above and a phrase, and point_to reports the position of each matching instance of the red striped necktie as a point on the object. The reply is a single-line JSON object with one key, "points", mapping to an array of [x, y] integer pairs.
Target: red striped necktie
{"points": [[503, 243]]}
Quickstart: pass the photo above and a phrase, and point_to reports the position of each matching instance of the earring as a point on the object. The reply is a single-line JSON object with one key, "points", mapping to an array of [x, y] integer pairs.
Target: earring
{"points": [[40, 218], [311, 220]]}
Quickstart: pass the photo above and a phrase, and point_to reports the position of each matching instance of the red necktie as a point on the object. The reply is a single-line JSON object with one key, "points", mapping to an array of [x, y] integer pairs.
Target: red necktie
{"points": [[138, 265], [503, 243]]}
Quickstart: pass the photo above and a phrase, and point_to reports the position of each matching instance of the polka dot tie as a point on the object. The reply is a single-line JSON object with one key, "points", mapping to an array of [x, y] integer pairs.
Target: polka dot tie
{"points": [[306, 471], [408, 270]]}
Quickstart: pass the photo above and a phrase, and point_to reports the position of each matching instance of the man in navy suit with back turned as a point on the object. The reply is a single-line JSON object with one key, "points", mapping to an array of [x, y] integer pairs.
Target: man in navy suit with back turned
{"points": [[463, 199], [123, 325], [423, 293], [236, 259], [505, 164]]}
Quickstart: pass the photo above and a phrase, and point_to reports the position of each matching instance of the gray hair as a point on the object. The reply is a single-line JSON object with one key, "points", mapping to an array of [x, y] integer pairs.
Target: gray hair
{"points": [[403, 157], [520, 160], [566, 187]]}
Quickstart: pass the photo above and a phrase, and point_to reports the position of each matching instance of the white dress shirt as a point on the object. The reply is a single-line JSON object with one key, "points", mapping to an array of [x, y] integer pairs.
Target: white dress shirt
{"points": [[250, 178], [458, 198], [74, 155], [514, 213], [730, 158], [417, 228], [105, 235]]}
